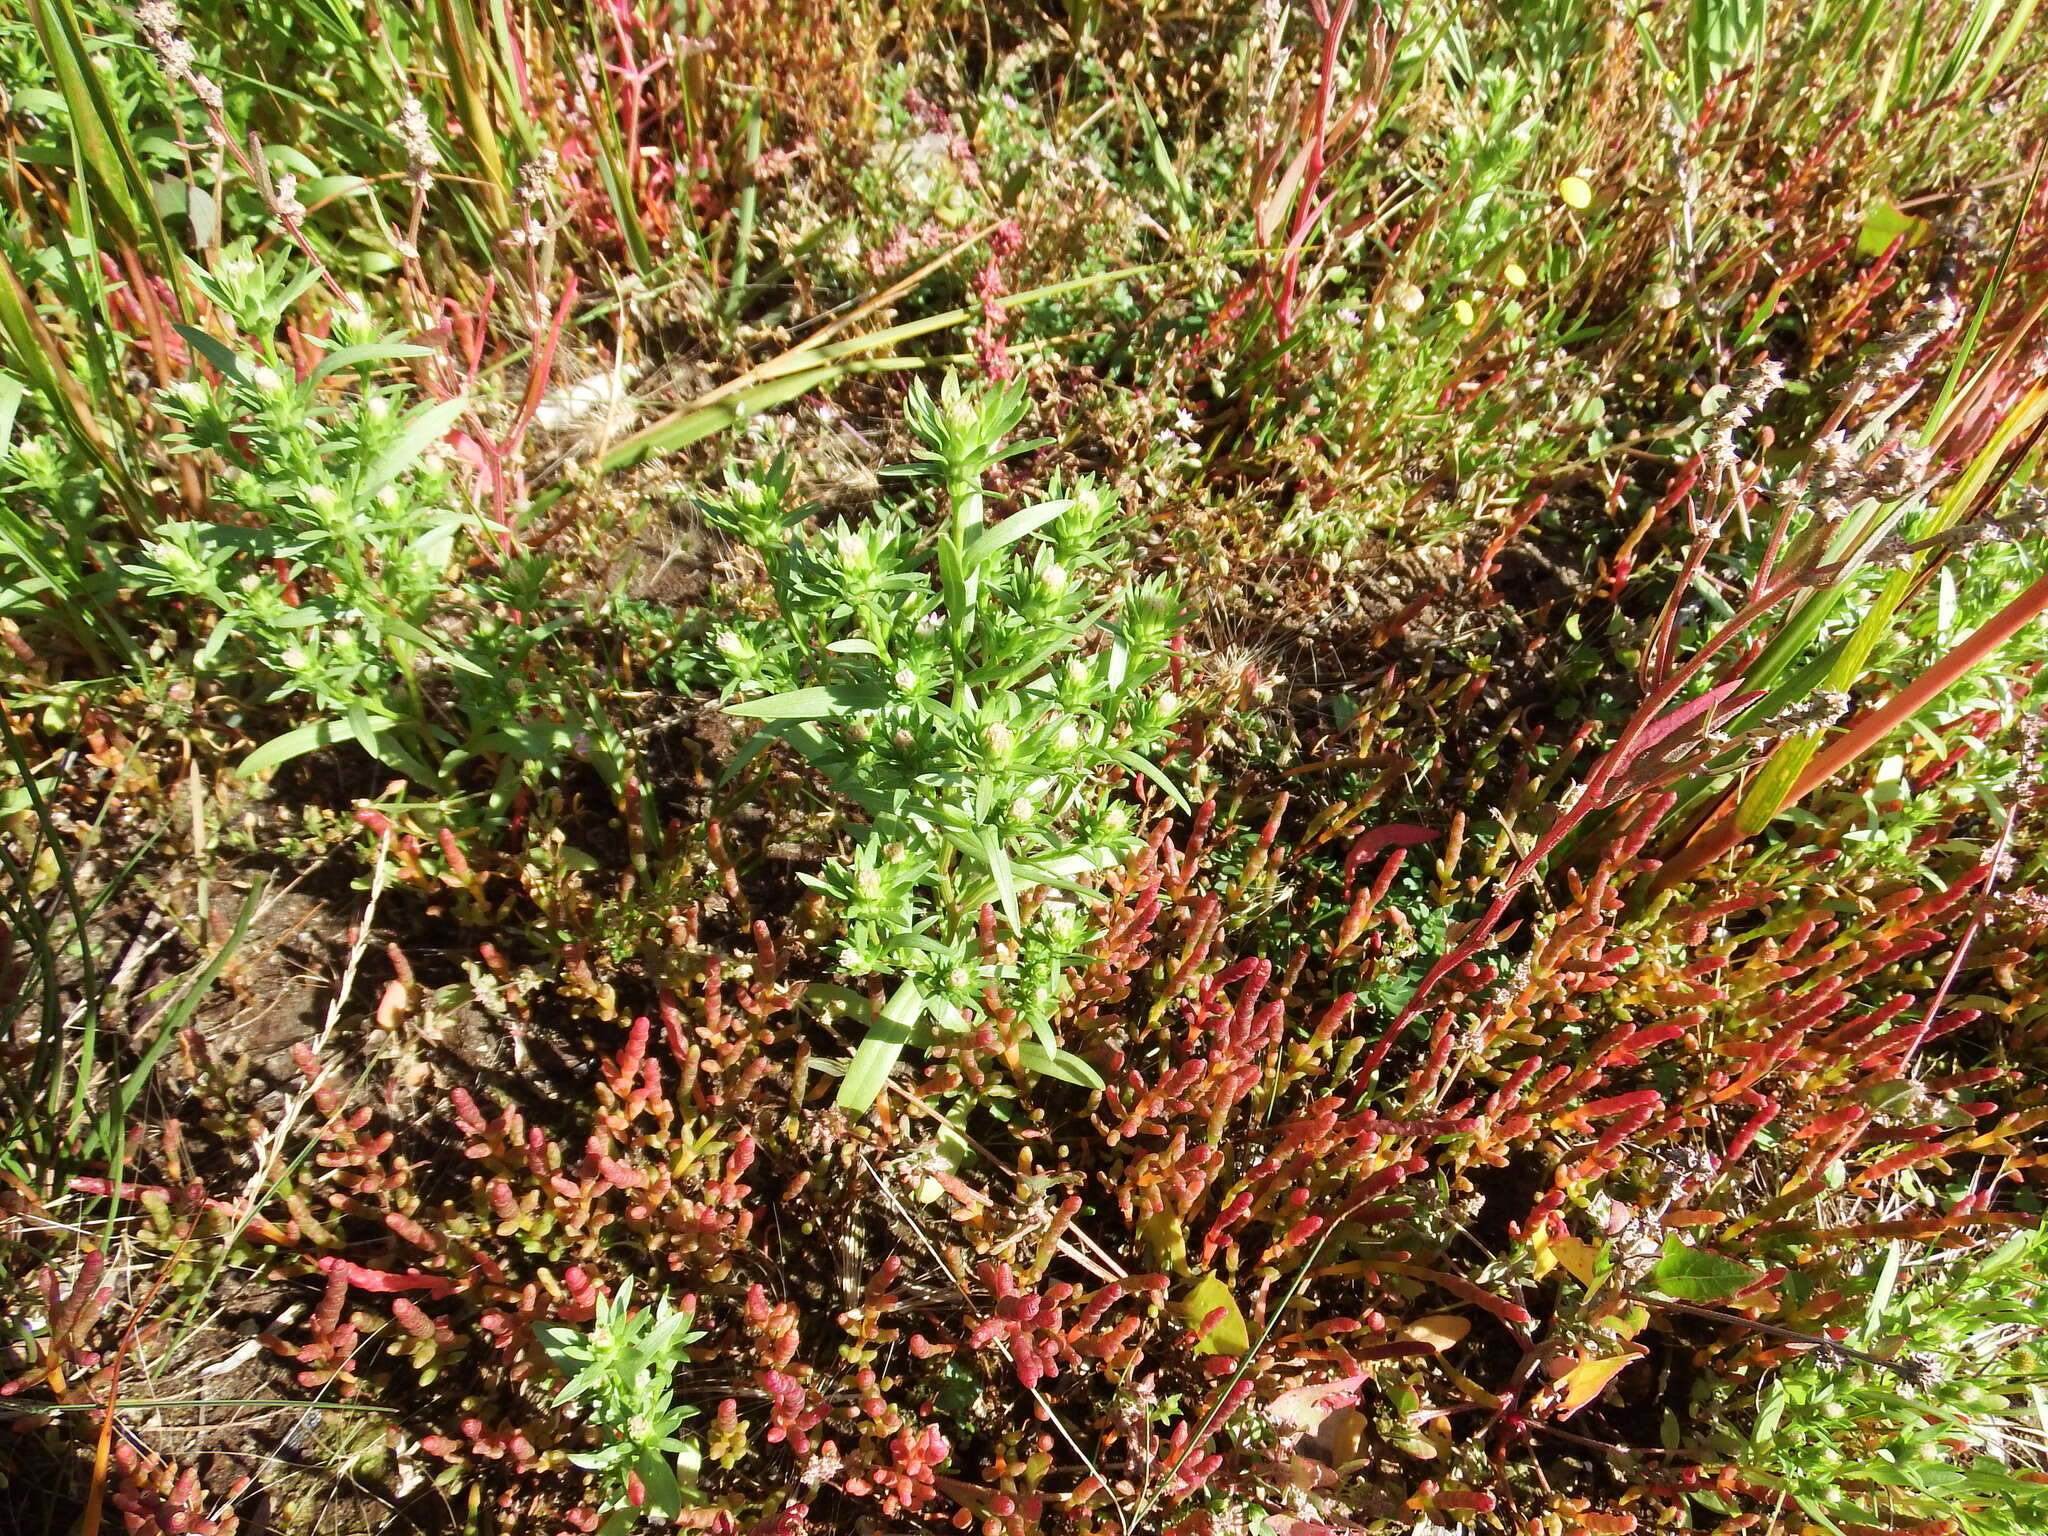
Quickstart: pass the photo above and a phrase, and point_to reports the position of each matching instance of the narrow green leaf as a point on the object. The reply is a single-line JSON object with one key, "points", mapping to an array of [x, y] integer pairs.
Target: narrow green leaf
{"points": [[1151, 770], [868, 1073], [822, 703], [370, 352], [100, 134], [425, 426], [310, 737], [372, 735], [1011, 529], [1064, 1065], [215, 351], [1000, 873]]}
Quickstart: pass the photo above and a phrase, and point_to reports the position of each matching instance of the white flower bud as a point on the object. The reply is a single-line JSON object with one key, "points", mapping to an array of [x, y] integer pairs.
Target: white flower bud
{"points": [[905, 679]]}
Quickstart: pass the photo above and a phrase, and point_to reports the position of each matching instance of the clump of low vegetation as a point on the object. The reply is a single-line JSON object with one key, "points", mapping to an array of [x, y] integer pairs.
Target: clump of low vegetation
{"points": [[1231, 769]]}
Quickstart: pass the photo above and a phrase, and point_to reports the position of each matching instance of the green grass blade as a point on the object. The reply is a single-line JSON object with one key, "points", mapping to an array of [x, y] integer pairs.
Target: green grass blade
{"points": [[123, 194]]}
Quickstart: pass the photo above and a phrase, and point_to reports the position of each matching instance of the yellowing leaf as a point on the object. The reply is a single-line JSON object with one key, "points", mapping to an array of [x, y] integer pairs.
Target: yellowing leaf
{"points": [[1580, 1259], [1883, 223], [1229, 1336], [1439, 1332], [1341, 1434], [1166, 1240], [1588, 1379]]}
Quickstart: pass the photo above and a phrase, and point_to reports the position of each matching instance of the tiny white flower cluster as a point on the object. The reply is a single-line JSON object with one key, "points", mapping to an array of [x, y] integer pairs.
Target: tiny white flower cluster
{"points": [[160, 25], [1748, 394], [416, 138], [536, 180]]}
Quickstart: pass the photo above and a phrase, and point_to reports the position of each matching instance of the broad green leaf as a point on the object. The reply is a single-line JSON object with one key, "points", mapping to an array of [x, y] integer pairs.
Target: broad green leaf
{"points": [[1230, 1336], [1883, 222], [658, 1477], [1064, 1065], [1690, 1274], [11, 391]]}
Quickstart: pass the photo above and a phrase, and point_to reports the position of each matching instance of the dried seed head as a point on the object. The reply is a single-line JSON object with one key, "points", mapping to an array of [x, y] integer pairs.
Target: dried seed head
{"points": [[1831, 1358], [1748, 392], [1921, 1369], [1902, 349], [1903, 469], [1820, 709], [160, 26], [1834, 474], [284, 200]]}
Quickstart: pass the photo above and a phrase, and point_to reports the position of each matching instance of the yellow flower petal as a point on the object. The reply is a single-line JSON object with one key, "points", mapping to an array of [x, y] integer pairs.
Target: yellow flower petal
{"points": [[1576, 192]]}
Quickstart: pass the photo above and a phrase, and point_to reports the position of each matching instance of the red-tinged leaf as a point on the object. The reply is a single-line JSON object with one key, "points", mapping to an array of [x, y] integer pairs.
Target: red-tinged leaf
{"points": [[1399, 834], [1668, 725], [1507, 1311], [1606, 1525], [1305, 1408], [1620, 1104]]}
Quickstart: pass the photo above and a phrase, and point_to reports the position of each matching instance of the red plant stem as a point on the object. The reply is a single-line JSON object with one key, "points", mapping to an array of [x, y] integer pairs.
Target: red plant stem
{"points": [[1590, 798], [1970, 931], [1306, 204]]}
